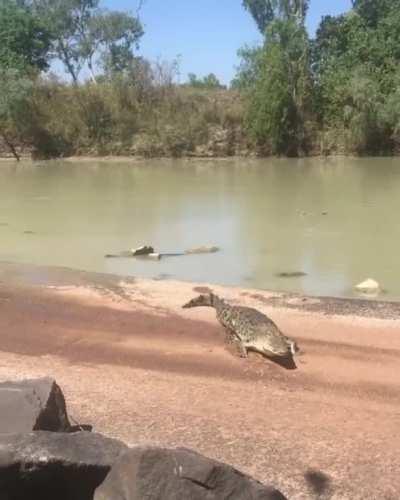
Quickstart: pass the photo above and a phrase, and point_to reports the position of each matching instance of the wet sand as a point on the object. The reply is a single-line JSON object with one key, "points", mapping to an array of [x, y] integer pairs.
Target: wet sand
{"points": [[135, 364]]}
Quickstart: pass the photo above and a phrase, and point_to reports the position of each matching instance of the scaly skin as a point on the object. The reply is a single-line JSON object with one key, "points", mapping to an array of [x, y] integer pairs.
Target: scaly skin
{"points": [[249, 328]]}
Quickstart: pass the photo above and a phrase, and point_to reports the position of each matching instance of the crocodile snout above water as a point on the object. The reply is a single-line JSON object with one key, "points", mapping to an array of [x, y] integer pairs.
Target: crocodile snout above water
{"points": [[147, 251]]}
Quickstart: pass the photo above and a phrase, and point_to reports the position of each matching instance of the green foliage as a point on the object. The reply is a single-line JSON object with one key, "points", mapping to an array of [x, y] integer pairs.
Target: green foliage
{"points": [[343, 83], [24, 40], [83, 35], [272, 114], [280, 99], [14, 93], [262, 12], [361, 119], [372, 11], [338, 92], [277, 80], [251, 63], [207, 82], [111, 36], [265, 12], [355, 61]]}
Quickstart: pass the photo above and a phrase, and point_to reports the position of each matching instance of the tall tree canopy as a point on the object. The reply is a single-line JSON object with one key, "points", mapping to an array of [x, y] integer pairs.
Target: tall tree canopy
{"points": [[277, 77], [374, 10], [345, 81], [266, 11], [356, 60], [83, 34], [24, 38]]}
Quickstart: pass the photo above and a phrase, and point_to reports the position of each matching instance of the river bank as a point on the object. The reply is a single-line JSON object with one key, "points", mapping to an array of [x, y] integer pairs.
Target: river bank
{"points": [[143, 369], [122, 159]]}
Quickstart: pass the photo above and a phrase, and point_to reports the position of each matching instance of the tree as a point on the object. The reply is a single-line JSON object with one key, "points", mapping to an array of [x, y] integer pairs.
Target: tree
{"points": [[345, 42], [262, 12], [355, 65], [15, 89], [207, 82], [24, 39], [111, 36], [280, 98], [212, 82], [251, 59], [265, 12], [84, 34], [277, 77], [372, 11]]}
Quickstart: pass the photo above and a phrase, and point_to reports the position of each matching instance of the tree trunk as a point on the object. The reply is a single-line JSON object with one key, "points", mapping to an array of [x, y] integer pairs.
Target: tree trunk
{"points": [[90, 66], [63, 55], [10, 146]]}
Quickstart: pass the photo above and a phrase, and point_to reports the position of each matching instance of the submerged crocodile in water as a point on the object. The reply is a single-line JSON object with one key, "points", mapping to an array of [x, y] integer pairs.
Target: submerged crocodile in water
{"points": [[148, 251], [248, 328]]}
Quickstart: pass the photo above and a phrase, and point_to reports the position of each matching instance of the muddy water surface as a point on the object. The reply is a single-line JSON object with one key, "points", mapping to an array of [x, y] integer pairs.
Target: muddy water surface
{"points": [[336, 221]]}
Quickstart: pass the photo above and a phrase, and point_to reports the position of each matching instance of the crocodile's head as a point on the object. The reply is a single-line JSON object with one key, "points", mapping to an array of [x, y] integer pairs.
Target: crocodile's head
{"points": [[200, 301], [276, 348]]}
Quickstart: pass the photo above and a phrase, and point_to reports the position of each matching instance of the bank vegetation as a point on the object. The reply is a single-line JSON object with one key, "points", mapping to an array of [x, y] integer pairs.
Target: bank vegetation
{"points": [[293, 95]]}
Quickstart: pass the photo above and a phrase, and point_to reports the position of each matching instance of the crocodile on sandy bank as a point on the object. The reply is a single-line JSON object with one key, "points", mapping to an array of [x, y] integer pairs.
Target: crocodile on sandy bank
{"points": [[248, 328]]}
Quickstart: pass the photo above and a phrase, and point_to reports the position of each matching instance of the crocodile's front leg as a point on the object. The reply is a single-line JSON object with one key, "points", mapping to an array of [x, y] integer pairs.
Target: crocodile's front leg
{"points": [[232, 339], [242, 350], [230, 336]]}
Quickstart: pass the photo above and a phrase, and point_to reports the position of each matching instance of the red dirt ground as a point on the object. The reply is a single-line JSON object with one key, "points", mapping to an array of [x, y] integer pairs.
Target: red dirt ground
{"points": [[142, 369]]}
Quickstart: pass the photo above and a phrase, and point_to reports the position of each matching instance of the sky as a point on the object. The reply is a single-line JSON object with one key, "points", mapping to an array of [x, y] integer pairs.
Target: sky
{"points": [[205, 34]]}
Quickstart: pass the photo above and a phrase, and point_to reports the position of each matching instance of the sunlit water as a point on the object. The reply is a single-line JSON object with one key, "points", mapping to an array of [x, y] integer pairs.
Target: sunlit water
{"points": [[338, 220]]}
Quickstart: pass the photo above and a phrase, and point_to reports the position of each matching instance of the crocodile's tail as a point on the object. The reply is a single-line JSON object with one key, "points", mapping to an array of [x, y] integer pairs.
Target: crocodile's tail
{"points": [[204, 300]]}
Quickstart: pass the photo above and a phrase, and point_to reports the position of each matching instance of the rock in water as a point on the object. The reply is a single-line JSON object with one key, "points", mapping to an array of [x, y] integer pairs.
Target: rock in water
{"points": [[30, 405], [181, 474], [203, 249], [144, 250], [55, 466], [291, 274], [369, 286], [154, 256]]}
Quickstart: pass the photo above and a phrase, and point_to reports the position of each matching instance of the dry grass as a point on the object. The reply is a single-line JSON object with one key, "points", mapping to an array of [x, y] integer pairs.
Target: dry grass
{"points": [[125, 118]]}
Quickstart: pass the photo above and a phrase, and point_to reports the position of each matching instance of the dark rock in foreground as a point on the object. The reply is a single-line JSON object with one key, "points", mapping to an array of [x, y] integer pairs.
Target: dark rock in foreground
{"points": [[55, 466], [43, 457], [29, 405], [181, 474]]}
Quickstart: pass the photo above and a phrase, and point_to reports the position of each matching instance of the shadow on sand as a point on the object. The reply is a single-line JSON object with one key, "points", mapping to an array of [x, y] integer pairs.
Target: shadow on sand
{"points": [[318, 482], [287, 363]]}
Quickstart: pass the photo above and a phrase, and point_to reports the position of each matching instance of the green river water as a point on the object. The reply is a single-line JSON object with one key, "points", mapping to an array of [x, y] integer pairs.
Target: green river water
{"points": [[337, 220]]}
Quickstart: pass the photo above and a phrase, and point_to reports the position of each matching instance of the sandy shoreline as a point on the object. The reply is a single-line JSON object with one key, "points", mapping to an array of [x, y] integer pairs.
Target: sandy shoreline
{"points": [[190, 158], [141, 368], [127, 159]]}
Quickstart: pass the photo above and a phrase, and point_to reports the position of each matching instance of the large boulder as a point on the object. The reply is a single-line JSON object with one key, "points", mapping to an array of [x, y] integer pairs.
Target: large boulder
{"points": [[180, 474], [55, 466], [30, 405]]}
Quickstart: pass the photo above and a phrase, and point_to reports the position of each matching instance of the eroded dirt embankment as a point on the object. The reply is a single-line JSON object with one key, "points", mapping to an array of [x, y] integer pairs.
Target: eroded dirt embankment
{"points": [[141, 368]]}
